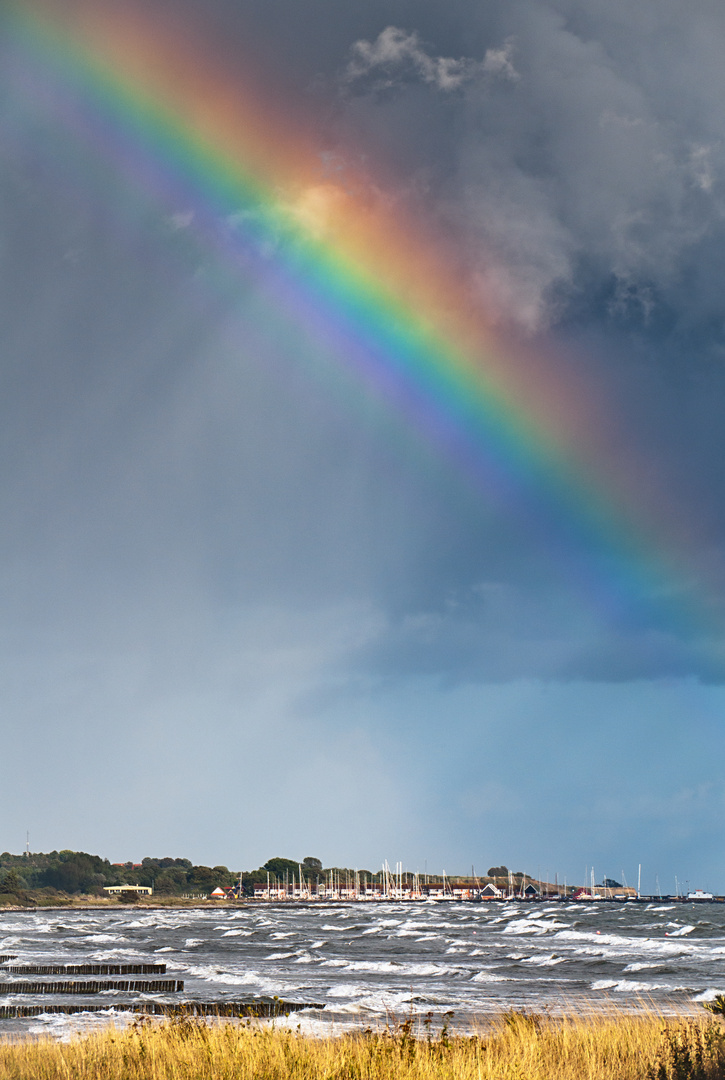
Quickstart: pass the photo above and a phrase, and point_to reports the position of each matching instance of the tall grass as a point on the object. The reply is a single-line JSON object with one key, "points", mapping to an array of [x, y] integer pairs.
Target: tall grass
{"points": [[514, 1047]]}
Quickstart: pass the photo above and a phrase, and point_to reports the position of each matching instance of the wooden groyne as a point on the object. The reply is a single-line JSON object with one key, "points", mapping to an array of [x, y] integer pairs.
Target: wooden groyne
{"points": [[257, 1008], [135, 986], [84, 969], [253, 1007]]}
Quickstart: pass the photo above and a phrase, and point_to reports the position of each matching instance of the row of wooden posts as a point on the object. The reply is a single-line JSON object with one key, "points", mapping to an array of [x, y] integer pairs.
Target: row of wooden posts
{"points": [[261, 1008], [94, 986], [258, 1007], [84, 969]]}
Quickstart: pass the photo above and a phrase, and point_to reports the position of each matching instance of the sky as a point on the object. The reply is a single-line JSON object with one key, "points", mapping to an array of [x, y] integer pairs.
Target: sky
{"points": [[256, 602]]}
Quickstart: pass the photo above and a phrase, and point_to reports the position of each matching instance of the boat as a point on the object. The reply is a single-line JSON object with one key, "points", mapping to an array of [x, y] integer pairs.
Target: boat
{"points": [[698, 894]]}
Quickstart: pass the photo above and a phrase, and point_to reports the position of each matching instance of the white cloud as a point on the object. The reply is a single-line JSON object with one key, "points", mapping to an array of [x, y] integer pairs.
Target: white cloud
{"points": [[703, 174], [393, 48], [498, 61]]}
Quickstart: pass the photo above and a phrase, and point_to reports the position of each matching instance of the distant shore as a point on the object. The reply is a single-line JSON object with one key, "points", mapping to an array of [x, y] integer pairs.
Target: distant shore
{"points": [[95, 903]]}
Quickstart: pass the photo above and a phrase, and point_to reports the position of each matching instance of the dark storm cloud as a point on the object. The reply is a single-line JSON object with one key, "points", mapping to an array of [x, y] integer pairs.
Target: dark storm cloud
{"points": [[576, 152], [584, 138]]}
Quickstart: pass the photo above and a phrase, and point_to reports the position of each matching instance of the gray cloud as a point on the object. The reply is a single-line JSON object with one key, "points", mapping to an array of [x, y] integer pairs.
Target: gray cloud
{"points": [[581, 136]]}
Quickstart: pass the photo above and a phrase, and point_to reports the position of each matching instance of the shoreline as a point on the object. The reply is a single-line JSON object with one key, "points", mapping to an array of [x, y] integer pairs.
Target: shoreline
{"points": [[178, 903]]}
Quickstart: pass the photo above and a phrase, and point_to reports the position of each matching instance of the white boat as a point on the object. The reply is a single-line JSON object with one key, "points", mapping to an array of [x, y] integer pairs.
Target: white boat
{"points": [[698, 894]]}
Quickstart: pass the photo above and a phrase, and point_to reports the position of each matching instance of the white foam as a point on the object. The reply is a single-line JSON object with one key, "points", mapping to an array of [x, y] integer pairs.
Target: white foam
{"points": [[383, 966], [710, 994], [380, 1003], [348, 990], [617, 941], [261, 983], [314, 1027], [114, 954], [626, 986], [532, 925], [64, 1028]]}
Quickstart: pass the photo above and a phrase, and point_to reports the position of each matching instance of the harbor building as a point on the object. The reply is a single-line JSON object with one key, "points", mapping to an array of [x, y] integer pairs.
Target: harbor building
{"points": [[118, 890]]}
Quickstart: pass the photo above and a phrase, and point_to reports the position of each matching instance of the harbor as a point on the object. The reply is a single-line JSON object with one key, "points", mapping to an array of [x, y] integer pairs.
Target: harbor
{"points": [[401, 886]]}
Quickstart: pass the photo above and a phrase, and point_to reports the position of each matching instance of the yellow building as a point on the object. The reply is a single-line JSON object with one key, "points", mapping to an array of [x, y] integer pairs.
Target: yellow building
{"points": [[116, 890]]}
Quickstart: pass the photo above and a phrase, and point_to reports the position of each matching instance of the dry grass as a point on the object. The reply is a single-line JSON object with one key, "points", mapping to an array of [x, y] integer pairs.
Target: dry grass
{"points": [[515, 1047]]}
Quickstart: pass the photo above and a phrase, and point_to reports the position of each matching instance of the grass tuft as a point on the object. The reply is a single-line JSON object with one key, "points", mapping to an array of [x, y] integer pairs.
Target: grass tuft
{"points": [[514, 1046]]}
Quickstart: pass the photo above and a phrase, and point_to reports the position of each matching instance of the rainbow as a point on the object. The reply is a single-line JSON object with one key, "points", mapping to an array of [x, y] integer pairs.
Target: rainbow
{"points": [[384, 291]]}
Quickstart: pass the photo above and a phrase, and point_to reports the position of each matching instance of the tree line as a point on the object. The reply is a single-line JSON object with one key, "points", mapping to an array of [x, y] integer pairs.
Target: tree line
{"points": [[77, 872]]}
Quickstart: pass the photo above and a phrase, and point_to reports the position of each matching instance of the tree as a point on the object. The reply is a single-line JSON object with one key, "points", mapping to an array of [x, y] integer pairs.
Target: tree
{"points": [[12, 882], [75, 872], [279, 867], [171, 881], [204, 879], [312, 866], [498, 871]]}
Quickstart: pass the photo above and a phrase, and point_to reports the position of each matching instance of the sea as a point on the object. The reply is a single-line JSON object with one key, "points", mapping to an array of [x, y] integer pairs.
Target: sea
{"points": [[372, 964]]}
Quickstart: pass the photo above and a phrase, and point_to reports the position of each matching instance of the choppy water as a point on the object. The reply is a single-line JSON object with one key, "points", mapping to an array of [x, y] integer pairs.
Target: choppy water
{"points": [[368, 962]]}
